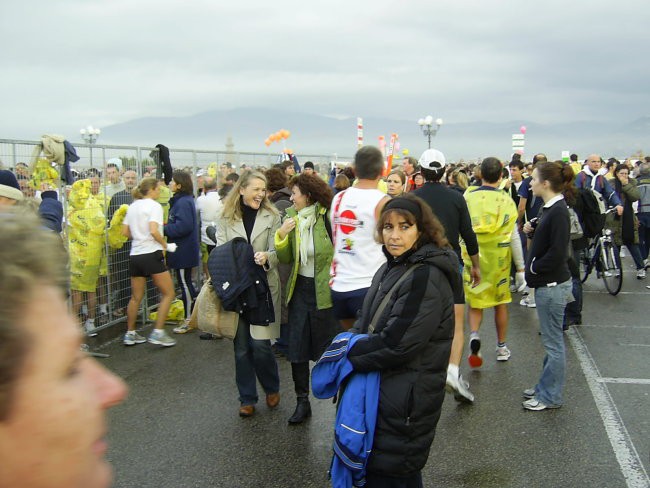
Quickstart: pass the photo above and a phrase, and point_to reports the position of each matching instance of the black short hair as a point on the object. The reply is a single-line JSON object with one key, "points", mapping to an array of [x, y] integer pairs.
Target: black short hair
{"points": [[491, 169], [368, 163], [516, 164]]}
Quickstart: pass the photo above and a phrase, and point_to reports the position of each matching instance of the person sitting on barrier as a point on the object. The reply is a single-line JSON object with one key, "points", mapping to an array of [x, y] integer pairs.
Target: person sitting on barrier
{"points": [[53, 397]]}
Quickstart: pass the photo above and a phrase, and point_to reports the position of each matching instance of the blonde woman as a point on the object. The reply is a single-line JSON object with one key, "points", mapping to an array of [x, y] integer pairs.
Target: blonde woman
{"points": [[248, 213], [395, 183]]}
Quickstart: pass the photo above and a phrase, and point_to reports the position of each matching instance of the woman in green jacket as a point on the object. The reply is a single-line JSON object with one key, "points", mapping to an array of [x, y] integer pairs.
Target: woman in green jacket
{"points": [[304, 241]]}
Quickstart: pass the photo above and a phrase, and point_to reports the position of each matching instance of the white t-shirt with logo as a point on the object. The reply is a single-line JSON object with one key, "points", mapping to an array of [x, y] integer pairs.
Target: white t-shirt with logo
{"points": [[357, 256], [138, 216]]}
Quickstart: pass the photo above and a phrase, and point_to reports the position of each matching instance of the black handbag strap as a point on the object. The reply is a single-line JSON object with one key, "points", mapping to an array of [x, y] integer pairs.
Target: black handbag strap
{"points": [[384, 302]]}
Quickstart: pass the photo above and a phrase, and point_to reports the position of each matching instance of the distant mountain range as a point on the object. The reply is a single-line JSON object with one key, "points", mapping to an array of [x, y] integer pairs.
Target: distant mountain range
{"points": [[315, 134]]}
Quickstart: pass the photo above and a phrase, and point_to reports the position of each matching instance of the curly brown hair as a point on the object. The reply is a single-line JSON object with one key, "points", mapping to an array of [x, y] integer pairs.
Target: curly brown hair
{"points": [[276, 179], [430, 228], [314, 187]]}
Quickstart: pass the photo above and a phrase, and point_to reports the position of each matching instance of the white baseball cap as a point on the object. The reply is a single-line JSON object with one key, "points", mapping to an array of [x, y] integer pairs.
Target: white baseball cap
{"points": [[432, 159]]}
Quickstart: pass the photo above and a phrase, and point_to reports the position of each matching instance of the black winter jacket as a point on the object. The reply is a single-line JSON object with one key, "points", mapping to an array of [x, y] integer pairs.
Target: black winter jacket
{"points": [[410, 346]]}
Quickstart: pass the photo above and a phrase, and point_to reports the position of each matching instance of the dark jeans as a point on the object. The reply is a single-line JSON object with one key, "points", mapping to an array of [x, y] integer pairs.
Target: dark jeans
{"points": [[254, 359], [188, 292], [573, 310], [644, 234]]}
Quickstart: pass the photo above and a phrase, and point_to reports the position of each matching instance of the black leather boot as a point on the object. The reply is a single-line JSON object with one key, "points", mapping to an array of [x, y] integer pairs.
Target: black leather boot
{"points": [[300, 375], [302, 412]]}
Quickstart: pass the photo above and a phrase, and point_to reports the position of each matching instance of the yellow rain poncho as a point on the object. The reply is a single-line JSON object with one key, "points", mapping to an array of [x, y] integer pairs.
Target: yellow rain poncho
{"points": [[44, 172], [115, 238], [494, 216], [87, 225]]}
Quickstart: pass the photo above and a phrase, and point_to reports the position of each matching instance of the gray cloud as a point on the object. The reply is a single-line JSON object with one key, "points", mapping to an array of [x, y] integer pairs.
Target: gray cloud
{"points": [[70, 63]]}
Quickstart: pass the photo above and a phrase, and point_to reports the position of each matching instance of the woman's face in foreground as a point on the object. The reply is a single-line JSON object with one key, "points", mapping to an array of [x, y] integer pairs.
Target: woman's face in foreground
{"points": [[254, 193], [398, 234], [54, 435]]}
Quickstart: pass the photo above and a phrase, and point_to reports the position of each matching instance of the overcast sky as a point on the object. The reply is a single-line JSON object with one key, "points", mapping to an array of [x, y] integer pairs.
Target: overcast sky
{"points": [[67, 64]]}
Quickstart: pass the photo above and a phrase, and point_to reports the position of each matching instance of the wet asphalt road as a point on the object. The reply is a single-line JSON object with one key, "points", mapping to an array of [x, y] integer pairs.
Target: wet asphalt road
{"points": [[180, 428]]}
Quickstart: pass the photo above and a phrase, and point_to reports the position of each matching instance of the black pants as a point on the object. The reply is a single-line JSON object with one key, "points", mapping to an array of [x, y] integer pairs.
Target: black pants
{"points": [[378, 481]]}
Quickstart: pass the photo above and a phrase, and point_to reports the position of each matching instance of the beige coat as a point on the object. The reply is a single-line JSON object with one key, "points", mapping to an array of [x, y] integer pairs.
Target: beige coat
{"points": [[262, 239]]}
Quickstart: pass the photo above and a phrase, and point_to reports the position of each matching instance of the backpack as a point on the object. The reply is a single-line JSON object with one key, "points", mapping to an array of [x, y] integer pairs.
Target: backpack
{"points": [[576, 231], [593, 208], [593, 220]]}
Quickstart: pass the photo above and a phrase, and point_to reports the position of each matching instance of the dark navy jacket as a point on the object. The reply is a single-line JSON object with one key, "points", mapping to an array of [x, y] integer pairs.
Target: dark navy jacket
{"points": [[241, 284], [183, 229]]}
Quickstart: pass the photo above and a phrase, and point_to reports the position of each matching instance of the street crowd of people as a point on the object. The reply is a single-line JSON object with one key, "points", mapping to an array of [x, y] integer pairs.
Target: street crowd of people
{"points": [[369, 273]]}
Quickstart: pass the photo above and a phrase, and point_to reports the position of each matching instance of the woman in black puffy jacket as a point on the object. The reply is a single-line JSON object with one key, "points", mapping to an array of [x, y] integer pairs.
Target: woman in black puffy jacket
{"points": [[411, 341]]}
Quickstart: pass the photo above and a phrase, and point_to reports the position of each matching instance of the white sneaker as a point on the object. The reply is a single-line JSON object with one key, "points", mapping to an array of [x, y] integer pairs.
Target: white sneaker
{"points": [[535, 405], [460, 388], [161, 338], [132, 337], [640, 274], [89, 327], [503, 353], [527, 302], [520, 281]]}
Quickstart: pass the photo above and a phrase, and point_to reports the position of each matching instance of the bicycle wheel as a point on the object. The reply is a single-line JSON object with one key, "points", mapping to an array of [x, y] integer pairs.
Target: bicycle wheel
{"points": [[612, 273], [584, 264]]}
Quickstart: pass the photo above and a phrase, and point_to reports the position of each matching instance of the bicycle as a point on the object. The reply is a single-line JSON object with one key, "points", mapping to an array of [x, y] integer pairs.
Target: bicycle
{"points": [[605, 256]]}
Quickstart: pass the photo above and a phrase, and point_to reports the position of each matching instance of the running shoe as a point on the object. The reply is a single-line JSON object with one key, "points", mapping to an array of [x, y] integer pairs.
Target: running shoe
{"points": [[536, 405], [529, 393], [460, 388], [526, 301], [183, 328], [132, 337], [89, 328], [640, 274], [503, 353], [520, 282], [161, 338], [475, 358]]}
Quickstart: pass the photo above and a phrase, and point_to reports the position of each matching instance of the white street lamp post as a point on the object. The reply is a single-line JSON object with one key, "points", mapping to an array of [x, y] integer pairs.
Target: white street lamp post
{"points": [[426, 124], [90, 135]]}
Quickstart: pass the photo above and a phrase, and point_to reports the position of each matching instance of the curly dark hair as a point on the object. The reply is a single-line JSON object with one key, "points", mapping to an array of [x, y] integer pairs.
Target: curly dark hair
{"points": [[430, 228], [314, 187], [276, 179]]}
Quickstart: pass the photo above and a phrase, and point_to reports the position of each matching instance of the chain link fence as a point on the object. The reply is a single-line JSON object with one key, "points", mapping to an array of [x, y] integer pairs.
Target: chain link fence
{"points": [[100, 279]]}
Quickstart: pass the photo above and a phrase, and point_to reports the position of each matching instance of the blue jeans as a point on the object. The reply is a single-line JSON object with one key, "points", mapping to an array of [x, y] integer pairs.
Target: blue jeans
{"points": [[254, 358], [551, 302]]}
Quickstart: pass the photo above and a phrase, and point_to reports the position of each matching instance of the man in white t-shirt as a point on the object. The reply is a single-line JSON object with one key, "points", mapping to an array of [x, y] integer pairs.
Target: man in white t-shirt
{"points": [[357, 256], [209, 206]]}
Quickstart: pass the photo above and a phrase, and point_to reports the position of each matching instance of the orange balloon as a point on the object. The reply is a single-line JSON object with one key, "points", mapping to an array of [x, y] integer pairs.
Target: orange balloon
{"points": [[287, 134], [278, 136], [272, 138], [267, 142]]}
